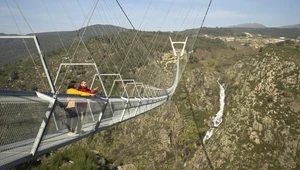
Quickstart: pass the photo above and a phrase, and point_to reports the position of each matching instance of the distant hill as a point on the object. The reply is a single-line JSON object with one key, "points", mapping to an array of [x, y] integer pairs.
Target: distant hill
{"points": [[257, 25], [248, 25], [13, 50], [291, 26], [238, 31]]}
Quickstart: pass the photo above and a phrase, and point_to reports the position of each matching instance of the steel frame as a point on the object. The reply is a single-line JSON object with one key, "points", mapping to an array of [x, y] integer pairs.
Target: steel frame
{"points": [[153, 97]]}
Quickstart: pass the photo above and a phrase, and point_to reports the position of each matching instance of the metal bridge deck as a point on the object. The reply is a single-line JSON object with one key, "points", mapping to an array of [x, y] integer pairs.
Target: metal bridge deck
{"points": [[22, 113]]}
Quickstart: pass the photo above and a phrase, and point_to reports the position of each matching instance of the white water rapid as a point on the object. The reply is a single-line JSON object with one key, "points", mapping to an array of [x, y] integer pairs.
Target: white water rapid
{"points": [[217, 119]]}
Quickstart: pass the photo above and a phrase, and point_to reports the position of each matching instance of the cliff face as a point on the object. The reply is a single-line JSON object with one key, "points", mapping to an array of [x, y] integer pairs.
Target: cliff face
{"points": [[261, 129]]}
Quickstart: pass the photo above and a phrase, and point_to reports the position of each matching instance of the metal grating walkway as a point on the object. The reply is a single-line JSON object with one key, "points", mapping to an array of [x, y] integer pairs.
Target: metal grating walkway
{"points": [[23, 112]]}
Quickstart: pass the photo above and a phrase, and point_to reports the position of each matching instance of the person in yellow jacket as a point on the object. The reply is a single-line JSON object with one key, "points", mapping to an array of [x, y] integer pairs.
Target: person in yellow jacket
{"points": [[72, 114]]}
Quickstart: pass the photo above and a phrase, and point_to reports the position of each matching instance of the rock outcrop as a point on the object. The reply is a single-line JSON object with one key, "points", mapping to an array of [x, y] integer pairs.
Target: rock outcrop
{"points": [[262, 126]]}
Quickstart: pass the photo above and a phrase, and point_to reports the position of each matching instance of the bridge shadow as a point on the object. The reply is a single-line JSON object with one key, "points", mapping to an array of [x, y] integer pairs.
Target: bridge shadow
{"points": [[200, 134]]}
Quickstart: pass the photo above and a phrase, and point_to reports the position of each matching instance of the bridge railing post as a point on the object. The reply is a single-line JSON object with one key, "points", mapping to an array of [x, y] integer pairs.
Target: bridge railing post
{"points": [[90, 108], [100, 116], [124, 110], [48, 114]]}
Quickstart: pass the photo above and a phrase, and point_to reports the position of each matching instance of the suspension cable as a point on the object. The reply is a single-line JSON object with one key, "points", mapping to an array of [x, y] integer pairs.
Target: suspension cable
{"points": [[77, 35], [132, 25], [136, 34], [114, 40], [27, 48], [155, 39], [62, 43], [202, 22]]}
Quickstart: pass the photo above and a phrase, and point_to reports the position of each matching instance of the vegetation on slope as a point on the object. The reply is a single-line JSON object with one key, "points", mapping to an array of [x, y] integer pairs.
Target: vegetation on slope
{"points": [[261, 127]]}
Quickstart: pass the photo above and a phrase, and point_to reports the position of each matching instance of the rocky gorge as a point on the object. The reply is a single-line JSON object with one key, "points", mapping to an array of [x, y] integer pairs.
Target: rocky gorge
{"points": [[260, 128]]}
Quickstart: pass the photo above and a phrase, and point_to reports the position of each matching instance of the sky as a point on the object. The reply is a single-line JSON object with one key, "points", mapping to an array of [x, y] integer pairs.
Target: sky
{"points": [[34, 16]]}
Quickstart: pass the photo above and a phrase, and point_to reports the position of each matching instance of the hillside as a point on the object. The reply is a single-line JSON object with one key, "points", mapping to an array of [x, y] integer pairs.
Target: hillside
{"points": [[52, 41], [261, 123], [291, 26], [261, 128]]}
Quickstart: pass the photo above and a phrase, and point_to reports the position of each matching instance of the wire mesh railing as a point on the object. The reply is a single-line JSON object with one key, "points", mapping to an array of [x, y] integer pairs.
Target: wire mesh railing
{"points": [[22, 113]]}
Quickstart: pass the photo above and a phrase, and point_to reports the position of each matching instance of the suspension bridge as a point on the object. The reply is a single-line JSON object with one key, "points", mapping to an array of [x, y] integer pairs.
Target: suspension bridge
{"points": [[135, 74]]}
